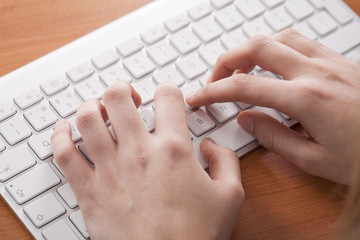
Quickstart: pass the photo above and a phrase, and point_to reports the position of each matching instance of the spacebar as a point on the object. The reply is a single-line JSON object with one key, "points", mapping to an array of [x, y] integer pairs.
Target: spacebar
{"points": [[344, 39]]}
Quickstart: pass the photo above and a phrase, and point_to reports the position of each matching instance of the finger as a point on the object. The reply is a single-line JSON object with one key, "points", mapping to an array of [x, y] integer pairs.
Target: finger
{"points": [[91, 120], [72, 164], [278, 138], [170, 110], [223, 162], [121, 102], [252, 89], [263, 51]]}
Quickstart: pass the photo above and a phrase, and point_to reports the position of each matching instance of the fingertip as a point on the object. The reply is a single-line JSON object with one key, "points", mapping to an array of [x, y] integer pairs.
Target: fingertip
{"points": [[246, 122]]}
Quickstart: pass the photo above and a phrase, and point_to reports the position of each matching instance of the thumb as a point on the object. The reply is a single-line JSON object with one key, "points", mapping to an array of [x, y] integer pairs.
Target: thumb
{"points": [[223, 162]]}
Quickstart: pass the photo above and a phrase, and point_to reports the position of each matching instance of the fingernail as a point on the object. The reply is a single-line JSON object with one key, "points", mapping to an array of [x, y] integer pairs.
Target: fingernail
{"points": [[59, 123], [246, 123]]}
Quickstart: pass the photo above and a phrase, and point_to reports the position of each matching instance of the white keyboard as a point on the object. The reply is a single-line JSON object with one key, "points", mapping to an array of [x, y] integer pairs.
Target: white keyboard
{"points": [[167, 40]]}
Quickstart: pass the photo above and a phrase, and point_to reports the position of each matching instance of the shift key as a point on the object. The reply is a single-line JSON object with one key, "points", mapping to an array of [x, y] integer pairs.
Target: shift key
{"points": [[32, 183]]}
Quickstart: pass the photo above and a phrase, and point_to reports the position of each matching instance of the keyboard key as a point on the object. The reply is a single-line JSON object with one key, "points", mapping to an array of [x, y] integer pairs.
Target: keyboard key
{"points": [[139, 65], [54, 85], [105, 59], [28, 99], [299, 9], [354, 55], [14, 131], [77, 219], [250, 8], [322, 23], [218, 4], [229, 18], [6, 111], [233, 39], [207, 29], [148, 117], [191, 66], [40, 117], [59, 231], [256, 27], [113, 74], [90, 88], [305, 30], [153, 35], [243, 106], [80, 72], [162, 53], [176, 23], [14, 161], [68, 195], [41, 145], [130, 47], [75, 131], [271, 112], [272, 3], [146, 88], [278, 19], [65, 103], [211, 52], [222, 111], [2, 146], [199, 122], [32, 183], [184, 41], [168, 74], [200, 11], [44, 210], [335, 8]]}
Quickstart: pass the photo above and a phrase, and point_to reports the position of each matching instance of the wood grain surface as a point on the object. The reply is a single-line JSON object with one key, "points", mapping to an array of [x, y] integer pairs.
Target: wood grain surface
{"points": [[281, 201]]}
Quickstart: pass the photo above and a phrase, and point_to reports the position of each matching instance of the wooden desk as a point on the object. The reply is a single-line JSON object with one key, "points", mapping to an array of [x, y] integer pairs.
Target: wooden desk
{"points": [[281, 201]]}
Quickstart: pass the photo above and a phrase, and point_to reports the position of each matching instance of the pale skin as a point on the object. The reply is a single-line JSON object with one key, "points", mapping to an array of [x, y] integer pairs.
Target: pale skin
{"points": [[151, 186]]}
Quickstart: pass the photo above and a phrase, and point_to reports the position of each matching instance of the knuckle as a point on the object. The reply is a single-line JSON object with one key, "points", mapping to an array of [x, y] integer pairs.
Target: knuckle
{"points": [[117, 92], [86, 117], [236, 189], [175, 145], [289, 34], [241, 82], [168, 89], [325, 69], [63, 154], [267, 139], [258, 43]]}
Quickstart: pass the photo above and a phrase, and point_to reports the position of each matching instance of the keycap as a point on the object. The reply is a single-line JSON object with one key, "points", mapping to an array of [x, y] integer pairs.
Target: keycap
{"points": [[74, 130], [65, 103], [105, 59], [243, 105], [336, 10], [272, 3], [32, 183], [322, 23], [148, 117], [299, 9], [185, 41], [218, 4], [6, 111], [191, 66], [139, 65], [257, 27], [189, 89], [233, 39], [40, 117], [129, 47], [80, 72], [66, 192], [229, 18], [305, 30], [169, 74], [41, 145], [199, 122], [2, 146], [14, 161], [28, 99], [199, 11], [90, 88], [207, 29], [354, 55], [271, 112], [162, 53], [153, 35], [55, 85], [176, 23], [341, 44], [250, 8], [146, 88], [14, 131], [278, 19], [211, 52], [59, 231], [44, 210], [113, 74], [77, 219], [222, 111]]}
